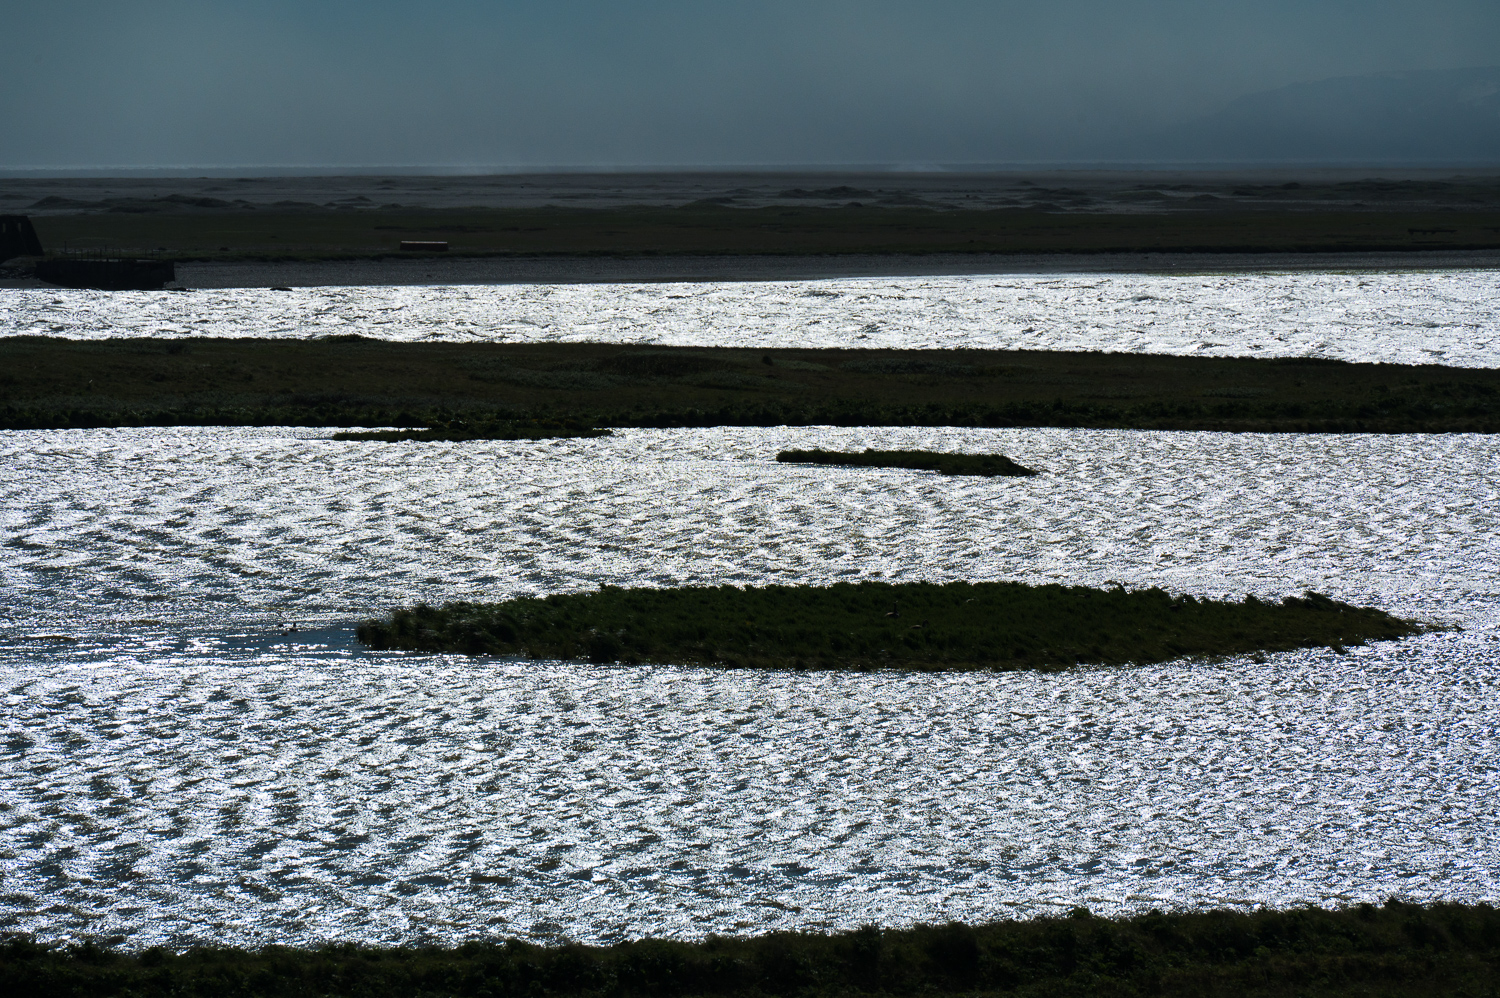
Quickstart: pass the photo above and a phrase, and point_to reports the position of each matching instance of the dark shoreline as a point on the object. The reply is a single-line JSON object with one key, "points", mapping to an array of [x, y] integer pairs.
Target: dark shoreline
{"points": [[1396, 949], [703, 269]]}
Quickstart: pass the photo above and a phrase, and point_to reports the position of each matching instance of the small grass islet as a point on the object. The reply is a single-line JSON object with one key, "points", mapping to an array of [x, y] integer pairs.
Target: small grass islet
{"points": [[460, 430], [871, 625], [987, 465]]}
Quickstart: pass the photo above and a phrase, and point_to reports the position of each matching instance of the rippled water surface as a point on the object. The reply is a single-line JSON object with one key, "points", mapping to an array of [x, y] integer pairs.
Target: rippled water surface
{"points": [[1448, 317], [176, 766]]}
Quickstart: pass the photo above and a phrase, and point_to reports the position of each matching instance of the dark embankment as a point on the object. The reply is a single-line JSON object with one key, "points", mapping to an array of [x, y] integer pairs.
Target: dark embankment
{"points": [[1172, 224], [469, 388], [984, 465], [959, 625], [1393, 950]]}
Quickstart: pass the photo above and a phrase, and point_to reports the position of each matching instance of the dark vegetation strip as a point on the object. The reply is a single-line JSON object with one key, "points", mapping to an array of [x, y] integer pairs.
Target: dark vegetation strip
{"points": [[449, 423], [1393, 950], [480, 389], [712, 230], [867, 625], [986, 465]]}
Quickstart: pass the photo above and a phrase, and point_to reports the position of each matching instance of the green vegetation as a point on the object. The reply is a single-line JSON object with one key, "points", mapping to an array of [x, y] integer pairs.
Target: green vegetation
{"points": [[467, 388], [458, 431], [987, 465], [807, 230], [921, 625], [1377, 952]]}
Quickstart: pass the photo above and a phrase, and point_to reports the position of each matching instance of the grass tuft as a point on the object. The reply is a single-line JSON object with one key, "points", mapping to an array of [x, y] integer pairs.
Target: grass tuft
{"points": [[987, 465]]}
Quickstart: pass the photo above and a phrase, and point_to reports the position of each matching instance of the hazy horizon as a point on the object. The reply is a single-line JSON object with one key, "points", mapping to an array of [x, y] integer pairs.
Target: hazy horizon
{"points": [[465, 87], [273, 170]]}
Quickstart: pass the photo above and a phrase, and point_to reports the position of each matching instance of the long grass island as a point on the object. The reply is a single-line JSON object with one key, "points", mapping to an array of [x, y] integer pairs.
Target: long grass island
{"points": [[874, 625]]}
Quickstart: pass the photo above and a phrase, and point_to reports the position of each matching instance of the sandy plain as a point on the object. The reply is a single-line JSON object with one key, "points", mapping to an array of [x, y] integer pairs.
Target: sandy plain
{"points": [[267, 231]]}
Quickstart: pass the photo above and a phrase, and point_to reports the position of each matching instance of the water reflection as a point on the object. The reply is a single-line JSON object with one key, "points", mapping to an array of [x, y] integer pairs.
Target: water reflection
{"points": [[179, 764]]}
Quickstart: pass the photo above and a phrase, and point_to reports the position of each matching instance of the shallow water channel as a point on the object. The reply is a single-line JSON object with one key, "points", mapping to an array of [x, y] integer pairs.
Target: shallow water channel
{"points": [[1417, 317], [175, 766]]}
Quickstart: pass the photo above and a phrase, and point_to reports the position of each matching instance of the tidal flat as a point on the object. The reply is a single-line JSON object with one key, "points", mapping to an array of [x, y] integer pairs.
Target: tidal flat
{"points": [[197, 752], [871, 625]]}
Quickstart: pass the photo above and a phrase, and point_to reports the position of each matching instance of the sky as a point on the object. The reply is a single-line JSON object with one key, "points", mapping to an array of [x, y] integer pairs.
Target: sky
{"points": [[468, 85]]}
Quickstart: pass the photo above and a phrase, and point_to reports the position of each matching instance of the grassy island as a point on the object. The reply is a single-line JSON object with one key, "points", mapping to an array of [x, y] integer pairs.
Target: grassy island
{"points": [[987, 465], [867, 625], [1392, 950]]}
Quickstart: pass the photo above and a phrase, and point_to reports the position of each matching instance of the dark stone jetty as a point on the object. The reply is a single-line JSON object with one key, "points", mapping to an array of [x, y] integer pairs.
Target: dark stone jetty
{"points": [[18, 238], [106, 274]]}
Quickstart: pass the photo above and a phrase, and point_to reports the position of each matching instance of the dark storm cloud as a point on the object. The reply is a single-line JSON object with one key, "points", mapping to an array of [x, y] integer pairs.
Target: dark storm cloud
{"points": [[612, 83]]}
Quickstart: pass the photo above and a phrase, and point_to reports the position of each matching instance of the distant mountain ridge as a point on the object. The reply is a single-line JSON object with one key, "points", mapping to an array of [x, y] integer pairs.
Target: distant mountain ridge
{"points": [[1422, 116]]}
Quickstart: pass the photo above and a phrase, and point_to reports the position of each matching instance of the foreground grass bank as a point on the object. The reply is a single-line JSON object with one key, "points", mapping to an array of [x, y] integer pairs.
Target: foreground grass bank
{"points": [[459, 388], [868, 625], [1392, 950], [983, 465]]}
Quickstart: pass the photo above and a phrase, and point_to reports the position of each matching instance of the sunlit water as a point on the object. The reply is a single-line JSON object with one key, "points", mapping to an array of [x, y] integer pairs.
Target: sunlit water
{"points": [[1447, 317], [176, 767]]}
